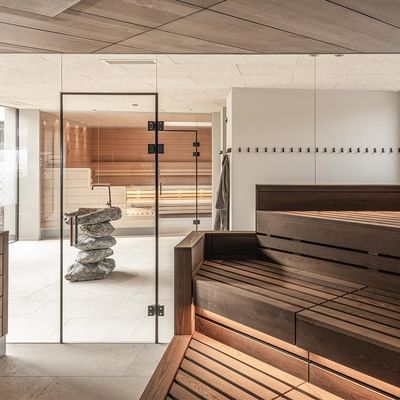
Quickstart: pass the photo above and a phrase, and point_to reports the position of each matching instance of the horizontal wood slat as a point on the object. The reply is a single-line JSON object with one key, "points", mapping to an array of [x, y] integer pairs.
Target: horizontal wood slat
{"points": [[344, 234]]}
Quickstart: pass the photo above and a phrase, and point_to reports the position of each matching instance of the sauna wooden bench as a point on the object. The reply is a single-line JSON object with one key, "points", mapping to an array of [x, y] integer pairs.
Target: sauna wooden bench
{"points": [[314, 292], [316, 280]]}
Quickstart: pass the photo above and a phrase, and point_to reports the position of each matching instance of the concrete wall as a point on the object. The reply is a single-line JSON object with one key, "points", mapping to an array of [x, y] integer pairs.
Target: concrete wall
{"points": [[29, 175], [291, 118]]}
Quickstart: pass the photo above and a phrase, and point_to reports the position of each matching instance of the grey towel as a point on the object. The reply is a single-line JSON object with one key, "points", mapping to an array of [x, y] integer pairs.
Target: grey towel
{"points": [[221, 222]]}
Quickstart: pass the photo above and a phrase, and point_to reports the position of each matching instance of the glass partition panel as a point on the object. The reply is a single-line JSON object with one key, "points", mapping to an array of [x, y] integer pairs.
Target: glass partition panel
{"points": [[110, 218], [31, 84]]}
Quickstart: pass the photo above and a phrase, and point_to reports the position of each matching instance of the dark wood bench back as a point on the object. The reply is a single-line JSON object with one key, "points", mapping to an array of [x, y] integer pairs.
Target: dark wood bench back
{"points": [[367, 253]]}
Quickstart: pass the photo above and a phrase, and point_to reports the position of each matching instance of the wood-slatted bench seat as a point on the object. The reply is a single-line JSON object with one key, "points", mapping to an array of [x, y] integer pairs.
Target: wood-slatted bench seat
{"points": [[360, 330], [263, 295], [212, 370]]}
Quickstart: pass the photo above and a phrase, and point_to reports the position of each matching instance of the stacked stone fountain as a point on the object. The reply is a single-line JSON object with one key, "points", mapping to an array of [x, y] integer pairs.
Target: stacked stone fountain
{"points": [[94, 243]]}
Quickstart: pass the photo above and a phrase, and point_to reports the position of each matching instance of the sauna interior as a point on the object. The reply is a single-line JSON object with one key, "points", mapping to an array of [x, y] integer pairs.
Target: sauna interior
{"points": [[111, 148]]}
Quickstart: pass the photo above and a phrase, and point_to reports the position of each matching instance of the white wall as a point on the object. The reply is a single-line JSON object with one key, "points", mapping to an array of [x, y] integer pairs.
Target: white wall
{"points": [[291, 118], [29, 175]]}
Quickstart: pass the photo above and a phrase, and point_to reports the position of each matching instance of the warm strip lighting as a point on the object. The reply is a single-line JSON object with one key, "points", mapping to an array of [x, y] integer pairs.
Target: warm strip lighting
{"points": [[188, 124], [128, 62]]}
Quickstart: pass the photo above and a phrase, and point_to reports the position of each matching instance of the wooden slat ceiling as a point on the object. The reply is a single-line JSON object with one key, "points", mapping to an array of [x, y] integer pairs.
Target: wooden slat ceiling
{"points": [[203, 27]]}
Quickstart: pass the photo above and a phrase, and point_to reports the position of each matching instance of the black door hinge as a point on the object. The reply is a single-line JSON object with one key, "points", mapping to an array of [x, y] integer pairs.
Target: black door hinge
{"points": [[196, 222], [196, 154], [151, 148], [152, 309], [196, 144], [151, 125]]}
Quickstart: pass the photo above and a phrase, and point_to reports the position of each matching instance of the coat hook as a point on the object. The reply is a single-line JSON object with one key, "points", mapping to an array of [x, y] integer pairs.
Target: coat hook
{"points": [[366, 150], [350, 150], [325, 149], [383, 149], [239, 149], [248, 149], [308, 150], [358, 150], [274, 149], [390, 150], [265, 149], [316, 149], [256, 149], [374, 149], [300, 150], [342, 150], [283, 149], [333, 150], [291, 149]]}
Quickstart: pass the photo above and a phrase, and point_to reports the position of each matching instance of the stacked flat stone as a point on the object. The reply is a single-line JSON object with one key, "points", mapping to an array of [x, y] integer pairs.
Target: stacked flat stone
{"points": [[94, 243]]}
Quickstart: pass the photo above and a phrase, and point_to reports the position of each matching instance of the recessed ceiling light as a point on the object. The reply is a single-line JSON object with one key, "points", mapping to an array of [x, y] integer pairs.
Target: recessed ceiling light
{"points": [[128, 62]]}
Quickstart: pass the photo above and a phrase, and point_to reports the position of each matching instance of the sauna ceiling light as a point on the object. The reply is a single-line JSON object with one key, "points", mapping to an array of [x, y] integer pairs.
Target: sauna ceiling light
{"points": [[128, 62]]}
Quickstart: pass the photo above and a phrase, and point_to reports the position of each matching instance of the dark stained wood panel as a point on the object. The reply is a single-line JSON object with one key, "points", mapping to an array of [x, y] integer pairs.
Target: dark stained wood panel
{"points": [[167, 42], [188, 255], [321, 20], [150, 14], [328, 197], [224, 29], [265, 314]]}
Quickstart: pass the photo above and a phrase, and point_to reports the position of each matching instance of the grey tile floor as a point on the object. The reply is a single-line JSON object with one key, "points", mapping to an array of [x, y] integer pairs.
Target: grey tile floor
{"points": [[77, 371]]}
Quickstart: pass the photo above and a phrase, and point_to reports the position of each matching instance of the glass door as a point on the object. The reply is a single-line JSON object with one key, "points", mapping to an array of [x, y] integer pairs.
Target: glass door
{"points": [[184, 183], [109, 227]]}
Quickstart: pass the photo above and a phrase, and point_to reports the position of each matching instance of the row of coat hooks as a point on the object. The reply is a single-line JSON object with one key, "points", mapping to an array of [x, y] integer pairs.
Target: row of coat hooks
{"points": [[315, 150]]}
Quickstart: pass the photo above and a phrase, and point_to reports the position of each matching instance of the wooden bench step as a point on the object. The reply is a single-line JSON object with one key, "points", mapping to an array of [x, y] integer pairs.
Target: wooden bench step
{"points": [[359, 330], [271, 296]]}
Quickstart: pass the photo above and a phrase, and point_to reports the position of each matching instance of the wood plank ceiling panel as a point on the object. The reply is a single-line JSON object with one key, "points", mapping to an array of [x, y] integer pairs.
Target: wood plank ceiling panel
{"points": [[224, 29], [147, 13], [74, 23], [43, 7], [165, 42], [321, 20], [21, 36], [201, 3], [120, 49], [385, 10], [11, 48]]}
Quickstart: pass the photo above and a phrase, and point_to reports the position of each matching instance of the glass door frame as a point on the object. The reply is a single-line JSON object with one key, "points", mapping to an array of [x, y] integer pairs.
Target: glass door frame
{"points": [[156, 189]]}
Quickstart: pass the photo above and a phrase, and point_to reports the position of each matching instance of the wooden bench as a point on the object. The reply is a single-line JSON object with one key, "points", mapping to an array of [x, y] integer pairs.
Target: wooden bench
{"points": [[314, 292]]}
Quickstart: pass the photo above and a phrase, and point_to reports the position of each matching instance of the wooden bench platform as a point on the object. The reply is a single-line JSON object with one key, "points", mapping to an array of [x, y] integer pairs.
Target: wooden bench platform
{"points": [[271, 295], [360, 330], [314, 293]]}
